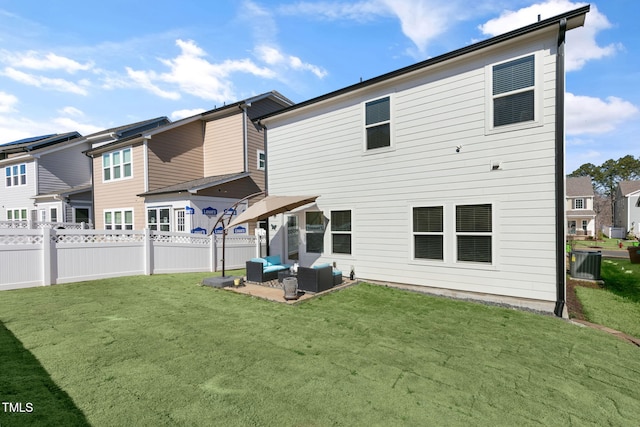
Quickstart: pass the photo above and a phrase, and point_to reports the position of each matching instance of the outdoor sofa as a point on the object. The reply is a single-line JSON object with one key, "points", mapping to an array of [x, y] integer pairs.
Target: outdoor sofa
{"points": [[265, 269]]}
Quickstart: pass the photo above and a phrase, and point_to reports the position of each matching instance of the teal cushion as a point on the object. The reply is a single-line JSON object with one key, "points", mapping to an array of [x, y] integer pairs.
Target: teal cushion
{"points": [[322, 265], [260, 260], [273, 259], [337, 273], [273, 268]]}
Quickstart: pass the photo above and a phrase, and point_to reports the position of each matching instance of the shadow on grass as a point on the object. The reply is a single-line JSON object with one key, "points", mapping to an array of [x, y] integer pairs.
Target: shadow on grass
{"points": [[620, 281], [28, 396]]}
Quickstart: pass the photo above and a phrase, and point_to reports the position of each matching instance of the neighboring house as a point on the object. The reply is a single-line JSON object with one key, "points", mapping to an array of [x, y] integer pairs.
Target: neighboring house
{"points": [[47, 179], [448, 173], [182, 176], [626, 211], [581, 217]]}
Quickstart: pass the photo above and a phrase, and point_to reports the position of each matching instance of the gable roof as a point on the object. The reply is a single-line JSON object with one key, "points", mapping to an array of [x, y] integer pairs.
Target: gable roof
{"points": [[574, 18], [579, 186], [124, 131], [628, 187], [36, 142]]}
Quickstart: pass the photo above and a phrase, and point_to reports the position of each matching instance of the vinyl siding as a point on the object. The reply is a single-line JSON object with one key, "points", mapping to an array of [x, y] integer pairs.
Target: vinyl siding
{"points": [[63, 169], [255, 141], [224, 146], [120, 194], [18, 197], [432, 112], [175, 156]]}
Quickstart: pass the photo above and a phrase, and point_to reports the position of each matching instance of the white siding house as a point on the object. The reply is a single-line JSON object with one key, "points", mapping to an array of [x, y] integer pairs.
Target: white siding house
{"points": [[627, 207], [581, 216], [446, 174]]}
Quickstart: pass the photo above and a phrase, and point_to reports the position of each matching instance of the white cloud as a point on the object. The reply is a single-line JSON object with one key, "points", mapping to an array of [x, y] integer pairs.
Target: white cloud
{"points": [[67, 124], [56, 84], [7, 102], [37, 61], [274, 57], [144, 79], [181, 114], [582, 41], [361, 11], [71, 111], [589, 115]]}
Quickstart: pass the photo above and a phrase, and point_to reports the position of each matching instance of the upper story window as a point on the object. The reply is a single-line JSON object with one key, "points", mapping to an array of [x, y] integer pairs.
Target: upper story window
{"points": [[513, 92], [378, 123], [262, 160], [16, 175], [116, 165], [578, 204]]}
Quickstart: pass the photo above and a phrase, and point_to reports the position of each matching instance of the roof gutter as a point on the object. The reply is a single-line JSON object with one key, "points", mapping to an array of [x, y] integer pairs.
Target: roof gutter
{"points": [[561, 223]]}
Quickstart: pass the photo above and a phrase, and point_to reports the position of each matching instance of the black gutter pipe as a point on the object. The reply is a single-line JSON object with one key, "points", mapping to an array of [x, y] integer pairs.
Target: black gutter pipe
{"points": [[561, 275]]}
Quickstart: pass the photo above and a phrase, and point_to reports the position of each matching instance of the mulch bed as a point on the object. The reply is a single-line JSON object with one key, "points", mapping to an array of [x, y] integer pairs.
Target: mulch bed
{"points": [[573, 303]]}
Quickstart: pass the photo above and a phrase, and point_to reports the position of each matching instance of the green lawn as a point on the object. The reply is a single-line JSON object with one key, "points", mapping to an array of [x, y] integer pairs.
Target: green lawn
{"points": [[605, 243], [617, 305], [161, 350]]}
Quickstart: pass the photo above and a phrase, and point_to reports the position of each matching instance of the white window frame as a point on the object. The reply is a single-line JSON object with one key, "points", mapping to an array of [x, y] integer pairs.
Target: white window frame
{"points": [[53, 214], [261, 162], [320, 231], [582, 202], [538, 113], [111, 167], [12, 213], [15, 175], [341, 232], [123, 225], [158, 226], [181, 219], [431, 233], [475, 233], [365, 127]]}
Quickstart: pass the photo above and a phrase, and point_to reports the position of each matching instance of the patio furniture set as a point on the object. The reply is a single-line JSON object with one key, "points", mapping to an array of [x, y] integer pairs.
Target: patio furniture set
{"points": [[317, 278]]}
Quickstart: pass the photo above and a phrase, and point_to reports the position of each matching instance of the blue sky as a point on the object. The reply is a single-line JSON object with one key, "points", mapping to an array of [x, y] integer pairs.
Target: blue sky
{"points": [[68, 65]]}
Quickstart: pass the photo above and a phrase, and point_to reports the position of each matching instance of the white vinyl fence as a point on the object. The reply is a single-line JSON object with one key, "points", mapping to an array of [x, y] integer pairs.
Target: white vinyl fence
{"points": [[42, 257]]}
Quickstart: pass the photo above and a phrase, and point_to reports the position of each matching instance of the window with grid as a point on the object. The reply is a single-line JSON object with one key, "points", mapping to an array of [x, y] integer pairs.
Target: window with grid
{"points": [[16, 214], [341, 232], [262, 160], [116, 165], [514, 91], [474, 233], [578, 203], [158, 219], [314, 227], [118, 220], [428, 232], [378, 123], [15, 175]]}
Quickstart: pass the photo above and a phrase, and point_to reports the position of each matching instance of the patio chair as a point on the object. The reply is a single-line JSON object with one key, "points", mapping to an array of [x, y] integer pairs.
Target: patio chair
{"points": [[315, 279]]}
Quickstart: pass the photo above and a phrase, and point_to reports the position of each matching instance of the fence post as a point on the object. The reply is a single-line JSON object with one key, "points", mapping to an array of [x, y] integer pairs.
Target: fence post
{"points": [[46, 257], [148, 252], [214, 253]]}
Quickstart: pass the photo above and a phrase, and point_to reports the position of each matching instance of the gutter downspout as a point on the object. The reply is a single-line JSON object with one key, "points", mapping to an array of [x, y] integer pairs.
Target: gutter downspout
{"points": [[561, 222], [266, 178]]}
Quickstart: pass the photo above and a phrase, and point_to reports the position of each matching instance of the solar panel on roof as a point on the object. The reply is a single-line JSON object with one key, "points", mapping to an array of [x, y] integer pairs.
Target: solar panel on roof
{"points": [[25, 140]]}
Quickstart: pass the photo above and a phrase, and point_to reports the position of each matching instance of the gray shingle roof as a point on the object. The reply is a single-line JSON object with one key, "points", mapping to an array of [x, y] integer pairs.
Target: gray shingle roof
{"points": [[627, 187], [579, 186]]}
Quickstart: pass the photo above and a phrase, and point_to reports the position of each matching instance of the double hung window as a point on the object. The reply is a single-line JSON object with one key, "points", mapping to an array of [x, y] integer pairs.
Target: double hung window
{"points": [[262, 160], [378, 123], [341, 232], [428, 232], [116, 165], [158, 219], [314, 227], [474, 233], [513, 93], [578, 203], [16, 175], [118, 219]]}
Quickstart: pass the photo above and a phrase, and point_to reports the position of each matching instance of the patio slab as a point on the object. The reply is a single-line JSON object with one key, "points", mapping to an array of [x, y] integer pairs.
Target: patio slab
{"points": [[275, 293]]}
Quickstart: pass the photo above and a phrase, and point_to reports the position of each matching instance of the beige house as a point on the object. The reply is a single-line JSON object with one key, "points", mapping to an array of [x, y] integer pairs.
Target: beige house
{"points": [[181, 176], [581, 216]]}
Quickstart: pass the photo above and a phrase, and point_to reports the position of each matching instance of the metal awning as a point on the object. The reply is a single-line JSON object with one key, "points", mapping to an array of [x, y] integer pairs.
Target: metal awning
{"points": [[271, 205]]}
